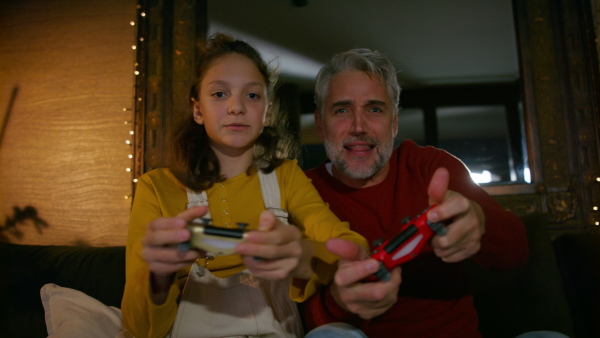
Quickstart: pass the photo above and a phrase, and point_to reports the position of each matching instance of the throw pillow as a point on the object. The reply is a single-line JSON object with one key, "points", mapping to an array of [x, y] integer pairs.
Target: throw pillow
{"points": [[72, 313]]}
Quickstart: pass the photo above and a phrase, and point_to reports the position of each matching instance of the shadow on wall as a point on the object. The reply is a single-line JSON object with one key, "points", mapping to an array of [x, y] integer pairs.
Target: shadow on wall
{"points": [[21, 217]]}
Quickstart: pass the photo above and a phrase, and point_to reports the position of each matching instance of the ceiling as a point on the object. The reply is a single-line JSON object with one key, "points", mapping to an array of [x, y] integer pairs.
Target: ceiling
{"points": [[431, 42]]}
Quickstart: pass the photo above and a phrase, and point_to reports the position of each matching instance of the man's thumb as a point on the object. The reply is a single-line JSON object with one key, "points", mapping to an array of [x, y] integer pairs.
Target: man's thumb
{"points": [[346, 249]]}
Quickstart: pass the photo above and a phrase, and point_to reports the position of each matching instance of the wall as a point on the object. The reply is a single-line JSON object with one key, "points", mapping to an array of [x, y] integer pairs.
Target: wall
{"points": [[66, 75], [595, 4]]}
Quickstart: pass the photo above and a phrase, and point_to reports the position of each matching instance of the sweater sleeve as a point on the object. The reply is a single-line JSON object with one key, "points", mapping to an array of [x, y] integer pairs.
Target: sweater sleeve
{"points": [[141, 316], [318, 224], [322, 309]]}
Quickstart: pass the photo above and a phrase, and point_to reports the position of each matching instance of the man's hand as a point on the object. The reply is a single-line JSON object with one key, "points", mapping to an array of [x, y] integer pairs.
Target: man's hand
{"points": [[466, 220], [276, 251], [367, 300]]}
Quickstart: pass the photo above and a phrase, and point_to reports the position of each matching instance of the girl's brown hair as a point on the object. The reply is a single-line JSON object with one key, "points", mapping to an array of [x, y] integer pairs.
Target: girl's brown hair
{"points": [[193, 161]]}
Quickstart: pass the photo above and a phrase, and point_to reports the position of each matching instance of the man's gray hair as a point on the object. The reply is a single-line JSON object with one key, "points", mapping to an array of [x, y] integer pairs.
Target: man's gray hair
{"points": [[361, 59]]}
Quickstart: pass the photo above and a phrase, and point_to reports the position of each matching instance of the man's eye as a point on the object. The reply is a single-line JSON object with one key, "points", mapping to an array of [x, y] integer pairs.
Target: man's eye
{"points": [[341, 111], [376, 110]]}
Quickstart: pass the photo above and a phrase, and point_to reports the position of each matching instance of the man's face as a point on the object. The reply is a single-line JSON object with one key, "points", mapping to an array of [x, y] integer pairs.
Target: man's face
{"points": [[358, 125]]}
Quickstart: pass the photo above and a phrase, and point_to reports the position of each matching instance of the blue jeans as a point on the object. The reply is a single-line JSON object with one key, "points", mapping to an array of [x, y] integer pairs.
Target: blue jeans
{"points": [[542, 334], [334, 330]]}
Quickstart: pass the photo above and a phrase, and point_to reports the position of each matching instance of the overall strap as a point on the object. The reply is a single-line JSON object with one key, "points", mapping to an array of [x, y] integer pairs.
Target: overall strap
{"points": [[270, 191], [197, 199], [271, 194]]}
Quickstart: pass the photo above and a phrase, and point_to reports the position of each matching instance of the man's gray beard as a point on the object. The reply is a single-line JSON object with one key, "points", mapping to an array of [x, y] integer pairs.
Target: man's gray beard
{"points": [[384, 153]]}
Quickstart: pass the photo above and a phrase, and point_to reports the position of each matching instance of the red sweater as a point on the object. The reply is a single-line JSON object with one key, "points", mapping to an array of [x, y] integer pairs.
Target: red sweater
{"points": [[433, 299]]}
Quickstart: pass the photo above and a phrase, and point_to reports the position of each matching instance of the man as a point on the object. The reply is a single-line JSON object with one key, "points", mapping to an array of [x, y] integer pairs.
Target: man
{"points": [[374, 186]]}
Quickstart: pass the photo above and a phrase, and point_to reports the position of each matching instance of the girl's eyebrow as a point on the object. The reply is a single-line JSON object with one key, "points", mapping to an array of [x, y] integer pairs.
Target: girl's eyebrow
{"points": [[225, 83]]}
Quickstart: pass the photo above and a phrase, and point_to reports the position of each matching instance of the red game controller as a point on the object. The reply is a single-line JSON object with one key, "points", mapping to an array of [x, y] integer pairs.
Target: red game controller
{"points": [[414, 233]]}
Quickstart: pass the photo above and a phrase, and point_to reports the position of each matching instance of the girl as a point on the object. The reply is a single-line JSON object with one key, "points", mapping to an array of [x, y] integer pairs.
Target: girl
{"points": [[231, 138]]}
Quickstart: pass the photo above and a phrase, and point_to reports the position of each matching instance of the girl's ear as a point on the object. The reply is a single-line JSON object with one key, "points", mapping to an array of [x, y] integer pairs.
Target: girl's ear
{"points": [[197, 113], [268, 116]]}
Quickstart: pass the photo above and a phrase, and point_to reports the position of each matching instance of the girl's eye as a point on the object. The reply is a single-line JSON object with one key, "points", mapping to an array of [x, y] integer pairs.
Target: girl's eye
{"points": [[253, 96], [218, 94]]}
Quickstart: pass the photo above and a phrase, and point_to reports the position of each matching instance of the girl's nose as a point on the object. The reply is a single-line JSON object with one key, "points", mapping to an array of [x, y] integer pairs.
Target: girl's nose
{"points": [[236, 106]]}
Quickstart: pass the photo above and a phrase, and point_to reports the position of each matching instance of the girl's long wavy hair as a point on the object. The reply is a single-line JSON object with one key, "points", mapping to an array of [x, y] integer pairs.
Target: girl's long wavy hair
{"points": [[193, 161]]}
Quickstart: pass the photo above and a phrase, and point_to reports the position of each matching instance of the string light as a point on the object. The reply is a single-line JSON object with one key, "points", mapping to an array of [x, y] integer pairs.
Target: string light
{"points": [[130, 140], [130, 121]]}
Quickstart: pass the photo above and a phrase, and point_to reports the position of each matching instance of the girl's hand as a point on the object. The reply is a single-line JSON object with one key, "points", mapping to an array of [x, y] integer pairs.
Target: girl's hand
{"points": [[161, 253], [276, 251]]}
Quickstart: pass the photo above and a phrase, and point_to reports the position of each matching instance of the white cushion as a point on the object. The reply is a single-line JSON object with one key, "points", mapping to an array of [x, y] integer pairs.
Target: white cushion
{"points": [[72, 313]]}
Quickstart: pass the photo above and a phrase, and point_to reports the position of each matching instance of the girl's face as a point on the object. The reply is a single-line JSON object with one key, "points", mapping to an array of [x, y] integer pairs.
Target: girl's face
{"points": [[232, 104]]}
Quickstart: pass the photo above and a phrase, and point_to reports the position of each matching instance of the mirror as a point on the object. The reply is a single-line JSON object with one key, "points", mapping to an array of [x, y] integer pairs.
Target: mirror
{"points": [[457, 62]]}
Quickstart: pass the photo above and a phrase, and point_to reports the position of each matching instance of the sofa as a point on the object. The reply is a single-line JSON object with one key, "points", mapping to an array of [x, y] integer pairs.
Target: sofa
{"points": [[557, 290]]}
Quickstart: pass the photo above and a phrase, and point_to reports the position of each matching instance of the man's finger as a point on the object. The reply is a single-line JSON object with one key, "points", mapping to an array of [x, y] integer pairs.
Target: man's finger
{"points": [[346, 249], [353, 272], [438, 186]]}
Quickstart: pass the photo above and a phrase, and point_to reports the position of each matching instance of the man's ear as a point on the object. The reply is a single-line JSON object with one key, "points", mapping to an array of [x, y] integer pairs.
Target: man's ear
{"points": [[319, 123], [395, 125], [197, 113]]}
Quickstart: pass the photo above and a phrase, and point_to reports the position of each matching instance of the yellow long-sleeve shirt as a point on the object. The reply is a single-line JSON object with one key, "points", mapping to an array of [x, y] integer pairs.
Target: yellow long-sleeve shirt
{"points": [[238, 199]]}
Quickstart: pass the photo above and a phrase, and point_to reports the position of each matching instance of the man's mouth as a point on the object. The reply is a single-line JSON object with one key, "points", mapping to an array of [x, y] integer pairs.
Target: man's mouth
{"points": [[359, 146], [359, 149]]}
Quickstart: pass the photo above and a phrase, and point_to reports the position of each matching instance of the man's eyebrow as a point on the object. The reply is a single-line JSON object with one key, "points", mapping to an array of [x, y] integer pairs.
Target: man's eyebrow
{"points": [[375, 103], [341, 103]]}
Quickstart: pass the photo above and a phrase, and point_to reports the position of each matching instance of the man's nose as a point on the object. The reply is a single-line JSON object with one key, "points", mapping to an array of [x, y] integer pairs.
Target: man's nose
{"points": [[358, 123]]}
